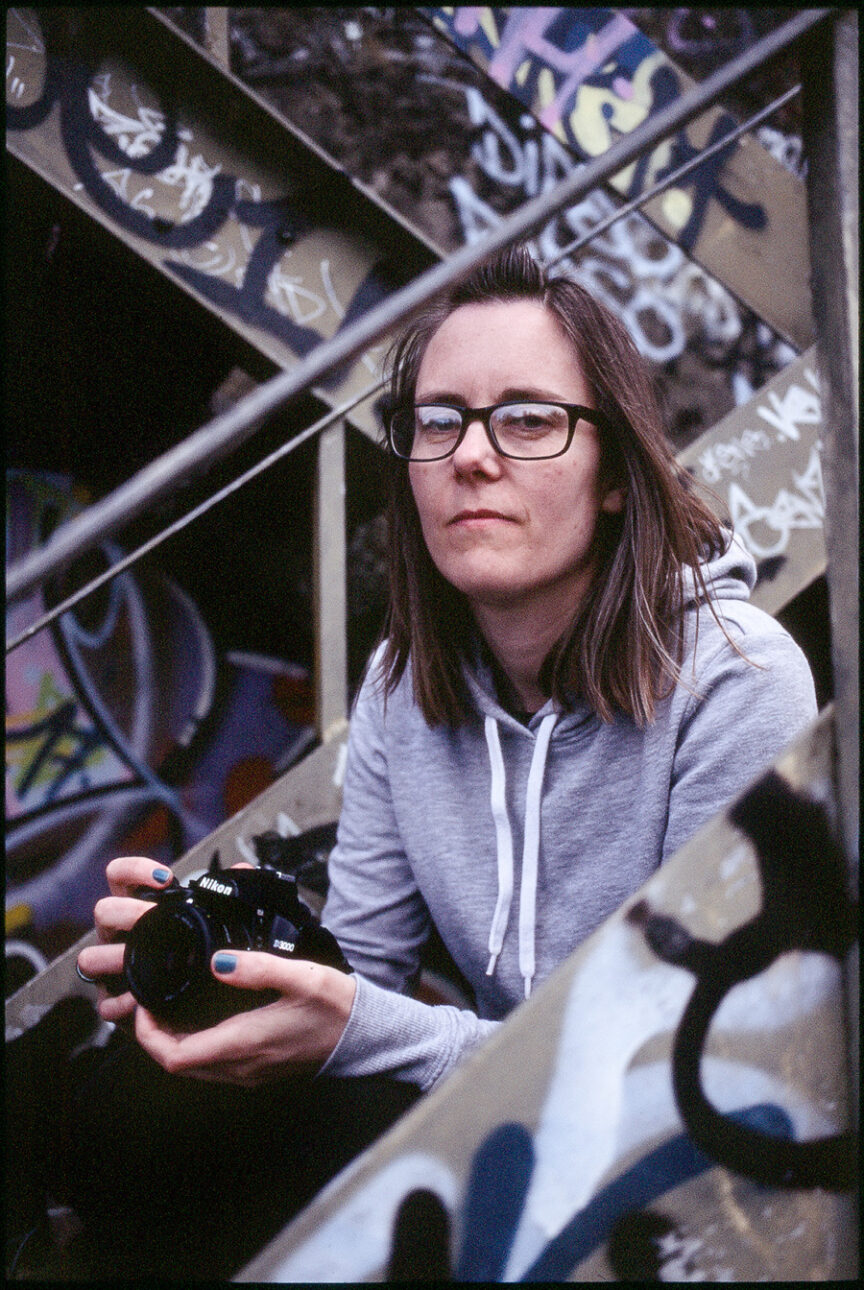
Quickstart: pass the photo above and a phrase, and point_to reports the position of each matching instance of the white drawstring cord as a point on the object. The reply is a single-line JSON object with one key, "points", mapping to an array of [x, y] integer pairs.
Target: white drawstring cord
{"points": [[504, 845], [504, 848], [531, 852]]}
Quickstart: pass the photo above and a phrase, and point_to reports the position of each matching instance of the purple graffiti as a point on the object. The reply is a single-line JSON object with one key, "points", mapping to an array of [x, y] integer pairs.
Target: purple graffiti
{"points": [[524, 35], [695, 34], [600, 48]]}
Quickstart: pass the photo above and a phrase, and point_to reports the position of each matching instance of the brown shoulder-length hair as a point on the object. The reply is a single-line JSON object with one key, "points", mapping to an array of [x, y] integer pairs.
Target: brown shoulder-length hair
{"points": [[623, 649]]}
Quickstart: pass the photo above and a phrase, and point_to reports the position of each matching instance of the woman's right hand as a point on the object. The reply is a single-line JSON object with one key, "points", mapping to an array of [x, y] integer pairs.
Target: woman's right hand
{"points": [[114, 915]]}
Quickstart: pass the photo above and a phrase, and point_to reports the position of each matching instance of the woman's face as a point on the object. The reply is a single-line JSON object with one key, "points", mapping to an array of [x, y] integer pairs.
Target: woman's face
{"points": [[510, 533]]}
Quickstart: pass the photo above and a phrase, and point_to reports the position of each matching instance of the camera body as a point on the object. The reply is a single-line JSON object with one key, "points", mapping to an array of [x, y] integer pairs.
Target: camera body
{"points": [[166, 962]]}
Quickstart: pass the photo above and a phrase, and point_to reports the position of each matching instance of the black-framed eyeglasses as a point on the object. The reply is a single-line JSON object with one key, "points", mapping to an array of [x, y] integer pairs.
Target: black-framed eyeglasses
{"points": [[521, 429]]}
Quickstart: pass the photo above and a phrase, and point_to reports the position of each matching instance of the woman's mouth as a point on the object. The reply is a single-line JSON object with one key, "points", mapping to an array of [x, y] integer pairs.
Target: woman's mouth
{"points": [[479, 517]]}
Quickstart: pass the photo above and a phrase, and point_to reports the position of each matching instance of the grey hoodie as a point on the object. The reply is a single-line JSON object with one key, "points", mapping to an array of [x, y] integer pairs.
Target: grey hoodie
{"points": [[519, 840]]}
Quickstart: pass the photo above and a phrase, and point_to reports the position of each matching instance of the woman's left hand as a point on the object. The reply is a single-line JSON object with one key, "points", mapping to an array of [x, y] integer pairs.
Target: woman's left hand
{"points": [[296, 1033]]}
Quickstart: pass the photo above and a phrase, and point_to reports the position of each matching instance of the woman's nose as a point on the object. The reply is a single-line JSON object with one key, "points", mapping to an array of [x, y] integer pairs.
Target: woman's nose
{"points": [[475, 452]]}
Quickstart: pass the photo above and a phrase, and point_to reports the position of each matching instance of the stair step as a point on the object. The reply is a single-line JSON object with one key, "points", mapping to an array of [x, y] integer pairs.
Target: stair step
{"points": [[590, 75]]}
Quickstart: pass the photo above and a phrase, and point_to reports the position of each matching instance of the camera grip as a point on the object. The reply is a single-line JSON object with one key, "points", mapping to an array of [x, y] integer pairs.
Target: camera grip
{"points": [[153, 894]]}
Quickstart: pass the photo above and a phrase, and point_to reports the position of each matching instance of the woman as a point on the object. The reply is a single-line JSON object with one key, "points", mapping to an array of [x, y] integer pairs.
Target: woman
{"points": [[572, 681]]}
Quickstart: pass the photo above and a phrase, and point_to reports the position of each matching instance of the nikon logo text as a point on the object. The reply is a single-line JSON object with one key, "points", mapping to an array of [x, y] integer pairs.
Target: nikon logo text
{"points": [[219, 887]]}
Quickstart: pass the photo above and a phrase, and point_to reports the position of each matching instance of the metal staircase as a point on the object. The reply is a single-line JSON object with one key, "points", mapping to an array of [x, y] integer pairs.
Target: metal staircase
{"points": [[158, 142]]}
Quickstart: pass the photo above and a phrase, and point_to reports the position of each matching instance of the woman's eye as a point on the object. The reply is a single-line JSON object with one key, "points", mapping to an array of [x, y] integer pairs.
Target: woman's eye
{"points": [[526, 420], [438, 425]]}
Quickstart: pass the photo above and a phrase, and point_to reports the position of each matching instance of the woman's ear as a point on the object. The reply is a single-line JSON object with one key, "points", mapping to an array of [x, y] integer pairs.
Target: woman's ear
{"points": [[612, 476], [613, 500]]}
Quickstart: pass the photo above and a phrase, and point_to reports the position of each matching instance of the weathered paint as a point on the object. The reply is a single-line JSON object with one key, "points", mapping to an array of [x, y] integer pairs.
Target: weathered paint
{"points": [[763, 463], [590, 75], [568, 1119], [216, 194]]}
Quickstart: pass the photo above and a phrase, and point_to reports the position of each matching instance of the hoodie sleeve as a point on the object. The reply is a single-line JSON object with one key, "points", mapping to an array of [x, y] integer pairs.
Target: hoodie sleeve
{"points": [[743, 714], [379, 917], [390, 1034]]}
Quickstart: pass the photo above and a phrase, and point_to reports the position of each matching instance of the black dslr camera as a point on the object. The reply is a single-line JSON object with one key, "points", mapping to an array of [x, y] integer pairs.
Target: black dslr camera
{"points": [[166, 962]]}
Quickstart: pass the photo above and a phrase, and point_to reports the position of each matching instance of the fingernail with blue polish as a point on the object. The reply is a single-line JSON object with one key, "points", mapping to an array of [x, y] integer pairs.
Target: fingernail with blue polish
{"points": [[225, 963], [161, 875]]}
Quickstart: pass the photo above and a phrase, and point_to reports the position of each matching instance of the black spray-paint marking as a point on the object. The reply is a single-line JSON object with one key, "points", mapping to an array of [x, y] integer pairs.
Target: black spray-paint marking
{"points": [[805, 906]]}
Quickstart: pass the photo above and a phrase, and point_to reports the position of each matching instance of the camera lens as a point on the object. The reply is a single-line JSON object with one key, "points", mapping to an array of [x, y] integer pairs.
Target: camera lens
{"points": [[167, 958]]}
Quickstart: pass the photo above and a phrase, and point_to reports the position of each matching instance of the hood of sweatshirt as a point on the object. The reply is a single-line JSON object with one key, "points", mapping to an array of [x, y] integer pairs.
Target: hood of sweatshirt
{"points": [[728, 576]]}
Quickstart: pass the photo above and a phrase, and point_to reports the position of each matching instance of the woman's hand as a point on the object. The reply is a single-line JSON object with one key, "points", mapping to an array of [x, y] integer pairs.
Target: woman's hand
{"points": [[295, 1033], [114, 915]]}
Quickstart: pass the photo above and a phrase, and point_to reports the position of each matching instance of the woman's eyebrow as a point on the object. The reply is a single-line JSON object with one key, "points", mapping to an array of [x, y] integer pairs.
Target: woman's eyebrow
{"points": [[531, 394], [442, 396], [511, 394]]}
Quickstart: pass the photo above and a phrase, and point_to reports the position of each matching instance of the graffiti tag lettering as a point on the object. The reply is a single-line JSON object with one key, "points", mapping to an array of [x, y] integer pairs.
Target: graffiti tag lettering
{"points": [[732, 457], [644, 278], [798, 406], [52, 750], [262, 293], [766, 530], [795, 849], [590, 74]]}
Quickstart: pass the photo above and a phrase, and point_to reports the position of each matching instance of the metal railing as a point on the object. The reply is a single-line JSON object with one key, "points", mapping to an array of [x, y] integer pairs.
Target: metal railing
{"points": [[338, 414], [830, 120], [226, 431]]}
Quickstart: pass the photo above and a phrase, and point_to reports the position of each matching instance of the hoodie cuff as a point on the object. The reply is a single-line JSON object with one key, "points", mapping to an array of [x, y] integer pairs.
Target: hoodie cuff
{"points": [[391, 1034]]}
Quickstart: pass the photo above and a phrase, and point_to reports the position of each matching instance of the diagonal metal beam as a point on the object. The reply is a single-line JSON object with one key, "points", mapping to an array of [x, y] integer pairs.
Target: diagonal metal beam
{"points": [[225, 432], [372, 389]]}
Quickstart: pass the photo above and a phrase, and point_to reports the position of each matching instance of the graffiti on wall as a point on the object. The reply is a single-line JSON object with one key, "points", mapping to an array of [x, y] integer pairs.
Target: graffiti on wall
{"points": [[151, 175], [800, 507], [795, 850], [666, 300], [703, 38], [83, 724], [647, 280], [124, 730], [776, 438], [54, 748], [592, 75], [794, 846], [620, 1174]]}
